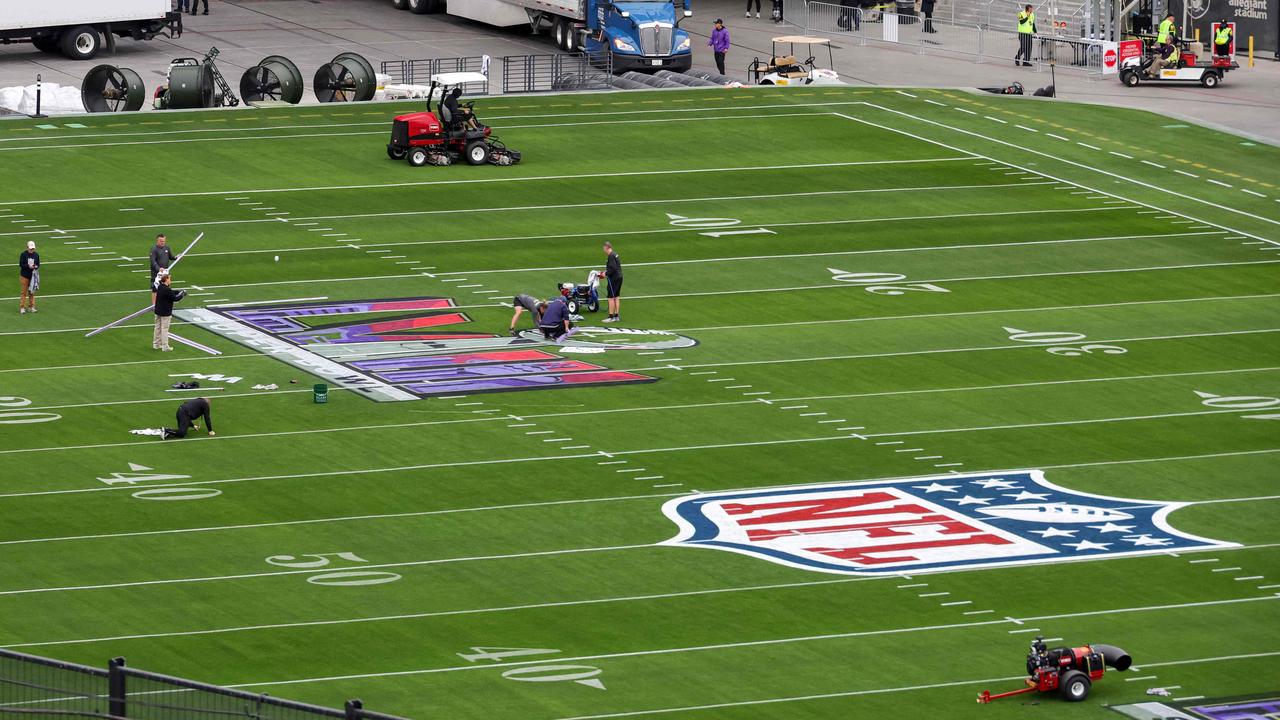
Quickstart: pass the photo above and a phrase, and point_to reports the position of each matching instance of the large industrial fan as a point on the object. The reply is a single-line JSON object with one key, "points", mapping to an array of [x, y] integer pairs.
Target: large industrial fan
{"points": [[275, 78], [108, 88], [347, 78]]}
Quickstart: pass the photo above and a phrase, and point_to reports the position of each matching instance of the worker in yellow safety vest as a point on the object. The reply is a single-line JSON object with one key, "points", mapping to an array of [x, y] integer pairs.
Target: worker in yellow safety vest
{"points": [[1026, 29], [1222, 39], [1165, 38]]}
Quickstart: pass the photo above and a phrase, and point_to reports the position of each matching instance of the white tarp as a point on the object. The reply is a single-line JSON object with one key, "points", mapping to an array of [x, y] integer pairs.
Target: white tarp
{"points": [[55, 99]]}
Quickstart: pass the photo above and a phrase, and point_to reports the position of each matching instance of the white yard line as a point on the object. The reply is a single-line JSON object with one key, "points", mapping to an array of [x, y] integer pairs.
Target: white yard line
{"points": [[876, 691], [1116, 176], [792, 640], [493, 180]]}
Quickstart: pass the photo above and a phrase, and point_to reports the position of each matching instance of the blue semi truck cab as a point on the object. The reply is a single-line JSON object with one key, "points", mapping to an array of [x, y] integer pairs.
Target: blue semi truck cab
{"points": [[639, 34]]}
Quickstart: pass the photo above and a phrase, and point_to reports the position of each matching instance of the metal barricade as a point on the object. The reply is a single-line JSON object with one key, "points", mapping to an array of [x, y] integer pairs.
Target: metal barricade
{"points": [[549, 73], [419, 72], [41, 687]]}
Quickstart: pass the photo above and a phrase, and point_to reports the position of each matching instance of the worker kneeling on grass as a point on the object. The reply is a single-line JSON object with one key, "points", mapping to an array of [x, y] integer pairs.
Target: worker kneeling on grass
{"points": [[188, 413], [555, 324]]}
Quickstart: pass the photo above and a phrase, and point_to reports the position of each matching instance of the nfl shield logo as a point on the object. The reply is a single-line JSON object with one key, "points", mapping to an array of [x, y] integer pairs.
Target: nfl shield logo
{"points": [[946, 522]]}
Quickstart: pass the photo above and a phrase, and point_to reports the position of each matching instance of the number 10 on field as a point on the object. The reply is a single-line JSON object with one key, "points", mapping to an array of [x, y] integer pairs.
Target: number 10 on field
{"points": [[581, 674]]}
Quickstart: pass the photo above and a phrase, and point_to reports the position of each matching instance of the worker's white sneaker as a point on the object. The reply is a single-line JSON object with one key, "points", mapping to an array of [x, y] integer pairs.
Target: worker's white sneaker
{"points": [[748, 13], [34, 310], [757, 16], [22, 311], [166, 349]]}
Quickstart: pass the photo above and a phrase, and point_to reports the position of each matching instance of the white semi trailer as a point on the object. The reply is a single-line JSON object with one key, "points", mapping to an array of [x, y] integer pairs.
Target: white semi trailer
{"points": [[80, 28]]}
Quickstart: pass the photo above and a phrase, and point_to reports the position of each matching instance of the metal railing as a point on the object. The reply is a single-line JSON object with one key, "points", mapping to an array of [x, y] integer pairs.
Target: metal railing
{"points": [[939, 36], [419, 72], [35, 686], [547, 73]]}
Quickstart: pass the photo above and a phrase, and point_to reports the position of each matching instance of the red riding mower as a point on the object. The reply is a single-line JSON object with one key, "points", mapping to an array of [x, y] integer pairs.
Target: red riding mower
{"points": [[438, 138], [1070, 671]]}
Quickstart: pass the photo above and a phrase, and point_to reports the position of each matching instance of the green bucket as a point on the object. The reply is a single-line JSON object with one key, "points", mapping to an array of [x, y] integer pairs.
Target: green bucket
{"points": [[321, 392]]}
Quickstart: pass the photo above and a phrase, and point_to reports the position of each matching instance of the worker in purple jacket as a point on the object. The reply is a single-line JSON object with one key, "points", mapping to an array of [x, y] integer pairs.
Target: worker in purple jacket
{"points": [[719, 43]]}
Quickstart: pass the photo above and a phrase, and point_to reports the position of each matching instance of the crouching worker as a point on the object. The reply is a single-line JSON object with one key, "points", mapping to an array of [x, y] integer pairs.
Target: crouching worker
{"points": [[188, 413], [555, 323], [523, 304]]}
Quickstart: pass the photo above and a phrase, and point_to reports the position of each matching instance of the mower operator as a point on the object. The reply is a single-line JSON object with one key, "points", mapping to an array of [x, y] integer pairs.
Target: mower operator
{"points": [[555, 323], [188, 413], [458, 114], [522, 304]]}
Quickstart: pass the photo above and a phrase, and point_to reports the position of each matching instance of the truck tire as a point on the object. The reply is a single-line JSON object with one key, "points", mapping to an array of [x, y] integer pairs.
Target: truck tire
{"points": [[422, 7], [81, 42], [557, 32], [47, 44], [1074, 685], [400, 4]]}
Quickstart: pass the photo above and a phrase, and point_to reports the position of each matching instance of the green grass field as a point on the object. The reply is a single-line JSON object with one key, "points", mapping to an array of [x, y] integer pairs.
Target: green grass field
{"points": [[883, 285]]}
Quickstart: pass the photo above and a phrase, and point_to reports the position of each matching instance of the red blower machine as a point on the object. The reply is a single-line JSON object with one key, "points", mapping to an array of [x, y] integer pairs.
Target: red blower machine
{"points": [[1069, 670]]}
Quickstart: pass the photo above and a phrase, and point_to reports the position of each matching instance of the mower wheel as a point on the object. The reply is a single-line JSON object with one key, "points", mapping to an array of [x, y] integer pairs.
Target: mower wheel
{"points": [[1074, 685], [418, 157], [593, 306], [478, 153], [1209, 80], [396, 153], [1130, 78], [573, 307]]}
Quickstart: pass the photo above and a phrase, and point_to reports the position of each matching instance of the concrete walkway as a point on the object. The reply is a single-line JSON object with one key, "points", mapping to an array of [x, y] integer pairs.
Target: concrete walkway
{"points": [[1247, 102], [311, 33]]}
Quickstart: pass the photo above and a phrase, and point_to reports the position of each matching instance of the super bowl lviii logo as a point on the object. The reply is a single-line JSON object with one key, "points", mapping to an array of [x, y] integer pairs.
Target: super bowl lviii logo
{"points": [[922, 525], [411, 348]]}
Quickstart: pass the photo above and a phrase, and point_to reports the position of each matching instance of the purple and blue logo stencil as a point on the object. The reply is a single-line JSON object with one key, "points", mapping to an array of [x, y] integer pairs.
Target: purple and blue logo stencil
{"points": [[947, 522], [408, 348]]}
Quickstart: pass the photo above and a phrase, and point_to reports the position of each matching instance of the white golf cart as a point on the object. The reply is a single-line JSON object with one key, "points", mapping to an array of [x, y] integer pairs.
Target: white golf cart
{"points": [[1186, 68], [784, 69]]}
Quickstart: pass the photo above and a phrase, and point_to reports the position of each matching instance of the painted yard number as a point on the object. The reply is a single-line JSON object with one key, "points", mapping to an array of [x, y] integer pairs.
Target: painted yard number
{"points": [[708, 223], [1241, 402], [337, 578], [581, 674], [22, 417], [141, 473], [875, 283], [1051, 343]]}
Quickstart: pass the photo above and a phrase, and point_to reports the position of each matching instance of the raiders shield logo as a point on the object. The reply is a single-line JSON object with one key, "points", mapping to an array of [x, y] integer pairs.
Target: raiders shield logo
{"points": [[946, 522]]}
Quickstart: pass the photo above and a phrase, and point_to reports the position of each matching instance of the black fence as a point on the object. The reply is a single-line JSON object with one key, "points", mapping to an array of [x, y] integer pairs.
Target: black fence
{"points": [[419, 72], [32, 686], [548, 73]]}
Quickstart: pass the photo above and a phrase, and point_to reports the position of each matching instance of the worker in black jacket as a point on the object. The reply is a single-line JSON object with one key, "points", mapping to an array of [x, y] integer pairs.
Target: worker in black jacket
{"points": [[188, 413], [613, 281], [161, 258], [166, 296]]}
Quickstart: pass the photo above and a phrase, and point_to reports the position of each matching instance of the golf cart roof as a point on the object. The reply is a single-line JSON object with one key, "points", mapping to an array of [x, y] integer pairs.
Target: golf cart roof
{"points": [[458, 78], [802, 39]]}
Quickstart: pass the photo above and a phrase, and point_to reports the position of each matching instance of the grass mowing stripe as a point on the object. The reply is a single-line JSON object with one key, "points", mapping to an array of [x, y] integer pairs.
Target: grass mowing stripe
{"points": [[493, 180], [882, 691], [793, 323], [750, 291], [782, 641], [612, 203], [1078, 165], [789, 256]]}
